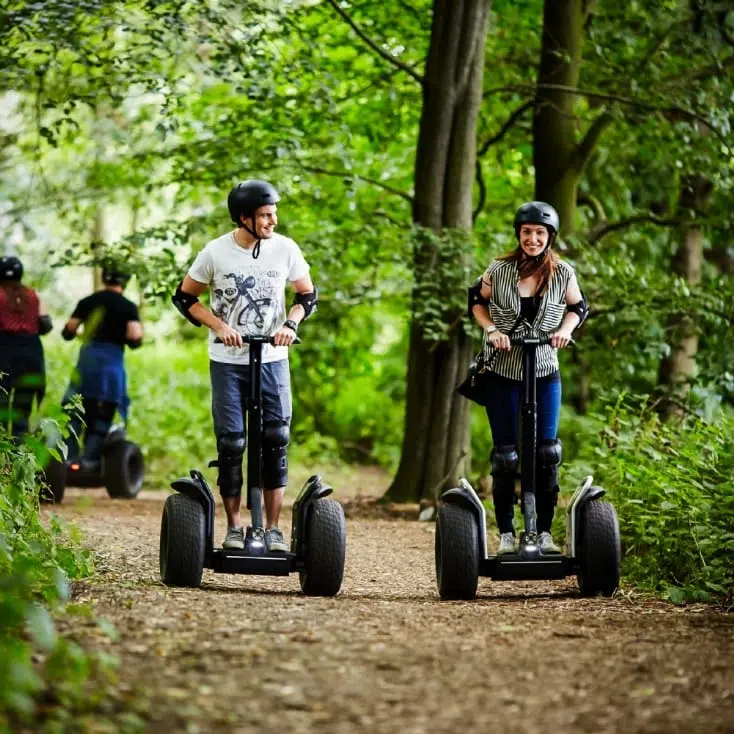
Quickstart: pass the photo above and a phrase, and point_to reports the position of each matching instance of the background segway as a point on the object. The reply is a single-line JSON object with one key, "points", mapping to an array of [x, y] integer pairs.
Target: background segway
{"points": [[123, 469]]}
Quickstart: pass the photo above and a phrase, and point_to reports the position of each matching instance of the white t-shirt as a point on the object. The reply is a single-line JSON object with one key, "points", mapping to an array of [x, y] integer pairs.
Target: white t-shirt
{"points": [[248, 294]]}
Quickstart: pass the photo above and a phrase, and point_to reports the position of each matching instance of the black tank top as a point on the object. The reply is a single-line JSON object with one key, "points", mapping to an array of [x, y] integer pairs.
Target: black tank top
{"points": [[529, 308]]}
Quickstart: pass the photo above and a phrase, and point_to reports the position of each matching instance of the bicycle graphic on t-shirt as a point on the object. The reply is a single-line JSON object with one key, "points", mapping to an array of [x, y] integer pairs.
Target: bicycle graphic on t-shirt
{"points": [[255, 315]]}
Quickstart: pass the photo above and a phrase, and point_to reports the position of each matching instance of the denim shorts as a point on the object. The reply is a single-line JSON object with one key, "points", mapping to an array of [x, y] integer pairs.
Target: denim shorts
{"points": [[230, 390]]}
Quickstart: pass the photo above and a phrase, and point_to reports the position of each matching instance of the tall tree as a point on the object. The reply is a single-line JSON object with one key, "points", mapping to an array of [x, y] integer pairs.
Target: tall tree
{"points": [[558, 157], [436, 436]]}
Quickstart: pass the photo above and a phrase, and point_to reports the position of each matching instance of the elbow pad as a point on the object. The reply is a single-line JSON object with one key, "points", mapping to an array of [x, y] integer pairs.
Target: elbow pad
{"points": [[134, 343], [309, 302], [67, 334], [183, 302], [44, 325], [580, 309], [475, 297]]}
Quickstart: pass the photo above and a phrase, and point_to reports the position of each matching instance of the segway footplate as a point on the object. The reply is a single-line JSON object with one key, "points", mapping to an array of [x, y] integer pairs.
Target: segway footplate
{"points": [[224, 560], [516, 567]]}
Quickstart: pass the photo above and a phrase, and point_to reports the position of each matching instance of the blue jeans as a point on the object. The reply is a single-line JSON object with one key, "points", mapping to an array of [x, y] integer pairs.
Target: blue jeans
{"points": [[230, 392], [503, 410]]}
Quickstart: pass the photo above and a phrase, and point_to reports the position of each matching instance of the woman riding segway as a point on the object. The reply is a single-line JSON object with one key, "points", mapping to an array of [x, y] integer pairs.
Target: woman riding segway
{"points": [[528, 291]]}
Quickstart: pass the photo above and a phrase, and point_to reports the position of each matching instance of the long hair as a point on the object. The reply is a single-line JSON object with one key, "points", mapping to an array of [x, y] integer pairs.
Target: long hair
{"points": [[16, 295], [529, 266]]}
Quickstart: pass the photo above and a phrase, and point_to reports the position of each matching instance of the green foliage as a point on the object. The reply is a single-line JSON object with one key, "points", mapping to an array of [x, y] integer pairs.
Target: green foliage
{"points": [[37, 563], [673, 490], [440, 279]]}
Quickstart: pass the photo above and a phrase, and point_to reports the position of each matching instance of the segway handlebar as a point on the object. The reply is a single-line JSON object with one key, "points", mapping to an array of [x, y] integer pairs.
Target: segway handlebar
{"points": [[254, 339], [538, 341]]}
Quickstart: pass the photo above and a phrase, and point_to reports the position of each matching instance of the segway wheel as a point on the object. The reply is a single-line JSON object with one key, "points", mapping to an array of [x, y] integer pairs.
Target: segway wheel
{"points": [[599, 549], [457, 552], [123, 470], [55, 478], [326, 543], [183, 539]]}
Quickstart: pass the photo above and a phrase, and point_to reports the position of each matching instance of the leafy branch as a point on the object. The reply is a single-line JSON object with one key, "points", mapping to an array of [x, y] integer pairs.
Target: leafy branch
{"points": [[373, 45], [366, 179]]}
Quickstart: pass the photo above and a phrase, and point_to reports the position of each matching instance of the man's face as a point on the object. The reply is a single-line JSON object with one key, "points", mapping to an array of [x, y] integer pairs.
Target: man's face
{"points": [[266, 220]]}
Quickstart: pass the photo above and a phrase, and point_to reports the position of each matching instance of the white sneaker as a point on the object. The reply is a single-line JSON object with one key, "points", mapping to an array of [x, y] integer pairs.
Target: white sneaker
{"points": [[235, 539], [546, 544], [275, 541], [507, 544]]}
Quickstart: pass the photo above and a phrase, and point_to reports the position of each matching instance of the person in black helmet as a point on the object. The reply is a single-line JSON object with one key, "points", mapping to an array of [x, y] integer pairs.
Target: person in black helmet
{"points": [[22, 368], [111, 322], [529, 291], [246, 271]]}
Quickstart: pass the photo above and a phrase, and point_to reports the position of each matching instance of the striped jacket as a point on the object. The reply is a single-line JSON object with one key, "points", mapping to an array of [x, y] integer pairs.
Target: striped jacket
{"points": [[504, 308]]}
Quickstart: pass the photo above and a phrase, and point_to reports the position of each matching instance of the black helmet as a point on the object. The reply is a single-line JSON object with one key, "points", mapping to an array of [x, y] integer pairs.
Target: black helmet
{"points": [[248, 196], [11, 268], [114, 276], [537, 212]]}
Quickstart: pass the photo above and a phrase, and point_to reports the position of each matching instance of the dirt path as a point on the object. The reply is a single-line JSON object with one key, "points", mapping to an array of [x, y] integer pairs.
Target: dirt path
{"points": [[250, 654]]}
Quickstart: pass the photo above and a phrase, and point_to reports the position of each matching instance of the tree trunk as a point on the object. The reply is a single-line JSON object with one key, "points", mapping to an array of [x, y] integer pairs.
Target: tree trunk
{"points": [[435, 448], [678, 369], [558, 157], [554, 125]]}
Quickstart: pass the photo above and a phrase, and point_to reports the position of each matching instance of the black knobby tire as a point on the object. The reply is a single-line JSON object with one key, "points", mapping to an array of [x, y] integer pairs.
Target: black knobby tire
{"points": [[183, 541], [55, 477], [598, 549], [457, 552], [123, 470], [326, 543]]}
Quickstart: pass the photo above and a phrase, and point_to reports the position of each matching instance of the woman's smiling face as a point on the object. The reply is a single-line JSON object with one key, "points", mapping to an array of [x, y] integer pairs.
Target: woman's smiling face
{"points": [[533, 239]]}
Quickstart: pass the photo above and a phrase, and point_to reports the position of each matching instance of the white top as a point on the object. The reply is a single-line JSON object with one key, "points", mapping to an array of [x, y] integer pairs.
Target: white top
{"points": [[248, 293]]}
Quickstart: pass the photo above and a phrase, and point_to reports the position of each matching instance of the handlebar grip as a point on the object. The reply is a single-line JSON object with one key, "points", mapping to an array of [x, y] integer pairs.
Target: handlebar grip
{"points": [[247, 339], [538, 341]]}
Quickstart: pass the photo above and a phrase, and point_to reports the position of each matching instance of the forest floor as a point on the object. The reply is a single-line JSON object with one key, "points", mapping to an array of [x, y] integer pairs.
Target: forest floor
{"points": [[251, 654]]}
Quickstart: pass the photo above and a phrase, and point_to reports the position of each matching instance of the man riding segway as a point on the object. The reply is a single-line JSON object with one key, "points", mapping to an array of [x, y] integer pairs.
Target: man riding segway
{"points": [[247, 270], [110, 323]]}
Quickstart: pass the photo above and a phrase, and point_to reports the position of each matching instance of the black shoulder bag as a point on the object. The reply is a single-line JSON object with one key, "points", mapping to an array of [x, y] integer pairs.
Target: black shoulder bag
{"points": [[473, 386]]}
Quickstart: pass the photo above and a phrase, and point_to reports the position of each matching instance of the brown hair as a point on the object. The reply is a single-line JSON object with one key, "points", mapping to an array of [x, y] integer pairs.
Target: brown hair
{"points": [[528, 266], [17, 295]]}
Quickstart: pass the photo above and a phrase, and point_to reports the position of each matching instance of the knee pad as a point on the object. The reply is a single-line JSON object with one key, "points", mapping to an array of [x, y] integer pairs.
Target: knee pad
{"points": [[276, 437], [230, 450], [505, 461], [98, 415], [550, 455]]}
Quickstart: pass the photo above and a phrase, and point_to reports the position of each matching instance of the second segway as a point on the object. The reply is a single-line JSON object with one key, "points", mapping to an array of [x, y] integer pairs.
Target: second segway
{"points": [[592, 529], [318, 537]]}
